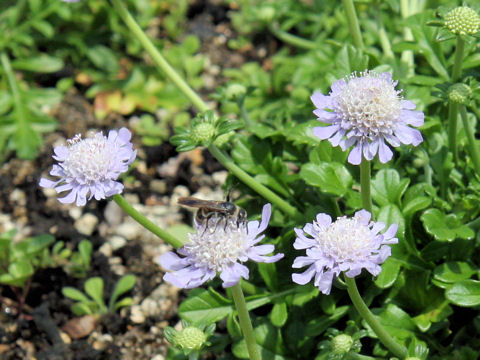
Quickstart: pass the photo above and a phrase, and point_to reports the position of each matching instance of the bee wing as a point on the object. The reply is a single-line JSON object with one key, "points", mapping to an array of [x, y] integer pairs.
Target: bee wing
{"points": [[199, 203]]}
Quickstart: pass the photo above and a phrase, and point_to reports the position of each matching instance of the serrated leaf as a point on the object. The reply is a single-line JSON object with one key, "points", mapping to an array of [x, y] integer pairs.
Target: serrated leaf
{"points": [[445, 227], [332, 178]]}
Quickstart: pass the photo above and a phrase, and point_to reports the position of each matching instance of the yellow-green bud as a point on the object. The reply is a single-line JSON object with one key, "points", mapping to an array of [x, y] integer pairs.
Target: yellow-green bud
{"points": [[203, 133], [459, 93], [266, 14], [190, 338], [462, 21], [341, 344], [235, 91]]}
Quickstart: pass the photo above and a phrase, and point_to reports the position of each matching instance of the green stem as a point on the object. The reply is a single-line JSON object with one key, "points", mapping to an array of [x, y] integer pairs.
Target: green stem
{"points": [[353, 25], [457, 65], [407, 55], [157, 57], [384, 40], [365, 187], [355, 356], [142, 220], [452, 129], [366, 314], [472, 145], [292, 39], [245, 322], [226, 161]]}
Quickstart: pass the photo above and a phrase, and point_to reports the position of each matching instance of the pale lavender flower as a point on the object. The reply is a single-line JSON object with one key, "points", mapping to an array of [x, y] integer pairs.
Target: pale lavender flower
{"points": [[89, 167], [365, 112], [220, 248], [348, 244]]}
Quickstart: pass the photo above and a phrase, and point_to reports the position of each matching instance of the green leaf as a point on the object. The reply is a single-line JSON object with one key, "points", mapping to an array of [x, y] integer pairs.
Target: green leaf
{"points": [[94, 288], [317, 326], [415, 205], [464, 293], [18, 273], [445, 227], [387, 277], [350, 59], [396, 321], [80, 309], [103, 58], [85, 251], [269, 340], [279, 314], [387, 187], [332, 178], [127, 301], [38, 243], [75, 294], [205, 307], [124, 284], [41, 63], [453, 271]]}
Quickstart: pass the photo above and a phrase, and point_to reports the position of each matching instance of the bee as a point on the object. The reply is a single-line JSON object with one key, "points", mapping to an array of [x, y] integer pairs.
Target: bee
{"points": [[215, 211]]}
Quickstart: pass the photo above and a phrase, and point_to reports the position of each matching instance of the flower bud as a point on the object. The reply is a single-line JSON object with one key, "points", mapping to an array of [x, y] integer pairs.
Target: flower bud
{"points": [[266, 14], [190, 338], [341, 344], [203, 133], [459, 93], [462, 21], [235, 91]]}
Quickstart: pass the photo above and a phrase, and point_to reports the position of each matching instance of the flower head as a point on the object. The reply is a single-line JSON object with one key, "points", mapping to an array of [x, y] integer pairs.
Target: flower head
{"points": [[366, 111], [89, 167], [219, 248], [348, 244], [462, 21]]}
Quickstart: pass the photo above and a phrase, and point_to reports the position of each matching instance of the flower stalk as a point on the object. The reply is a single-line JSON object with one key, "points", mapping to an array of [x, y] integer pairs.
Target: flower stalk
{"points": [[291, 39], [472, 146], [245, 322], [353, 25], [367, 315], [365, 184], [453, 107], [269, 195], [165, 67], [157, 57], [147, 224]]}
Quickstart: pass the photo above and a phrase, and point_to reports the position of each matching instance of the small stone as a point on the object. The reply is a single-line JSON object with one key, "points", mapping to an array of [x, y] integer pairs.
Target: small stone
{"points": [[106, 249], [19, 197], [113, 214], [132, 198], [220, 177], [158, 186], [102, 342], [86, 224], [158, 357], [66, 339], [75, 213], [136, 315], [117, 242], [129, 230]]}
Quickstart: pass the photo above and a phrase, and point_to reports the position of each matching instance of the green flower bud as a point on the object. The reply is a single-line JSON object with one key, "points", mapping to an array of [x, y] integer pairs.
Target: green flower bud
{"points": [[341, 344], [235, 91], [266, 14], [459, 93], [223, 139], [203, 133], [190, 338], [462, 21]]}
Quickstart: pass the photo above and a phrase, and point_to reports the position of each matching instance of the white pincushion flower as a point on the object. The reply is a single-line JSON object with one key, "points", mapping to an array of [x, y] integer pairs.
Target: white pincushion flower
{"points": [[348, 244], [89, 167], [365, 112], [219, 247]]}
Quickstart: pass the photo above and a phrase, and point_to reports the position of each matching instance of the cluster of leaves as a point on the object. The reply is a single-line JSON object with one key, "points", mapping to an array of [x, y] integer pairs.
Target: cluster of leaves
{"points": [[431, 280], [93, 302], [19, 260]]}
